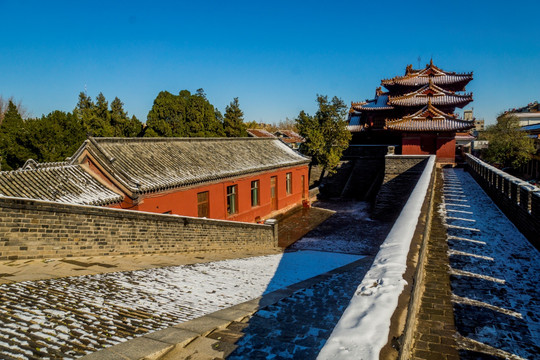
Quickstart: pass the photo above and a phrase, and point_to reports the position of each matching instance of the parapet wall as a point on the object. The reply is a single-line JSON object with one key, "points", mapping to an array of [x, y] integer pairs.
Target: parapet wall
{"points": [[401, 173], [519, 200], [31, 229]]}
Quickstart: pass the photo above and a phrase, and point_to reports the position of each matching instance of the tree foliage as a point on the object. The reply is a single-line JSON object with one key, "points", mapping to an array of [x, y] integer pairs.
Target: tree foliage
{"points": [[326, 132], [508, 145], [55, 136], [100, 121], [233, 122], [58, 135], [12, 139], [183, 115]]}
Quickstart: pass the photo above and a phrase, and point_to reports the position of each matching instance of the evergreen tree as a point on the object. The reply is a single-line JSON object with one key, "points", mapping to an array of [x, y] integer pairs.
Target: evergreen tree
{"points": [[508, 145], [94, 117], [122, 125], [183, 115], [233, 123], [326, 133], [13, 138]]}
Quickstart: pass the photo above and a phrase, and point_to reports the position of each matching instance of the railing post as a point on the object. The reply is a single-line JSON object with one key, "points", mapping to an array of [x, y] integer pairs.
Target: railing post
{"points": [[535, 205], [514, 191]]}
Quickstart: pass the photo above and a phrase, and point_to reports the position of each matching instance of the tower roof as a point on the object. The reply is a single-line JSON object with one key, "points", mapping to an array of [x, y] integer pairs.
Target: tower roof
{"points": [[437, 95], [429, 118], [413, 78]]}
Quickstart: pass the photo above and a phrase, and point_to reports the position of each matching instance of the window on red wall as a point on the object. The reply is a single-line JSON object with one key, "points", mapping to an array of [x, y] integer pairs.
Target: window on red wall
{"points": [[288, 184], [203, 208], [232, 199], [255, 193]]}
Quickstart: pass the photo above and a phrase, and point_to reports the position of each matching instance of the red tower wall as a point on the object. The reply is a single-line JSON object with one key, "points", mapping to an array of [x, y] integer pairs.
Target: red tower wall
{"points": [[446, 148], [443, 145]]}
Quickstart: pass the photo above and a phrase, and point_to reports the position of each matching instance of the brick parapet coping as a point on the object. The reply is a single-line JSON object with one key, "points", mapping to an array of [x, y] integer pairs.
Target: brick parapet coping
{"points": [[406, 341]]}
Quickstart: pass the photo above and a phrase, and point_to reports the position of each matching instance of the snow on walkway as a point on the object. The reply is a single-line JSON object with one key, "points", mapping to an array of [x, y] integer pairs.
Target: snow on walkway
{"points": [[72, 316], [495, 273]]}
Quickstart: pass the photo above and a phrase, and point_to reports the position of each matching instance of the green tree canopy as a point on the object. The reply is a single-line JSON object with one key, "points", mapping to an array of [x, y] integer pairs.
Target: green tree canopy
{"points": [[13, 139], [326, 133], [508, 145], [233, 122], [183, 115]]}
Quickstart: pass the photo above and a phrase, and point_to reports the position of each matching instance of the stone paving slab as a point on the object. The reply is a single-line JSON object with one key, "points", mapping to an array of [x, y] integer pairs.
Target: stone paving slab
{"points": [[481, 295], [216, 335]]}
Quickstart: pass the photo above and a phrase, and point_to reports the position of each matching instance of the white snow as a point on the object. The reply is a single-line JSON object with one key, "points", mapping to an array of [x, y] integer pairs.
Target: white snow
{"points": [[92, 305], [363, 329]]}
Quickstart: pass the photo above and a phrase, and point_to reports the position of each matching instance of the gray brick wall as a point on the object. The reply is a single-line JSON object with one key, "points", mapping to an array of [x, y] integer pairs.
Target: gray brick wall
{"points": [[31, 229], [401, 173]]}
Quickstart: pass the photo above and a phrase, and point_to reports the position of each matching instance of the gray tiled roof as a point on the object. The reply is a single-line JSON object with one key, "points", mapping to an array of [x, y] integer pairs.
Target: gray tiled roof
{"points": [[154, 164], [65, 184], [32, 164]]}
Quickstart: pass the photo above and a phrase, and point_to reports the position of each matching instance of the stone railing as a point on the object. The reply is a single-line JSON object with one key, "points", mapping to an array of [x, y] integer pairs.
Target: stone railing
{"points": [[519, 200], [31, 229]]}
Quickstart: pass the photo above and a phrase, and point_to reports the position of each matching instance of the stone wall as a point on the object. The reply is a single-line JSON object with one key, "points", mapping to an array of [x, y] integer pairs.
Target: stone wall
{"points": [[519, 200], [401, 172], [32, 229]]}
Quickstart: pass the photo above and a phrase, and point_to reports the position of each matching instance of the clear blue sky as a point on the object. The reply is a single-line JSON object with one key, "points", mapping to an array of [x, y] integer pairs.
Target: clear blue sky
{"points": [[274, 56]]}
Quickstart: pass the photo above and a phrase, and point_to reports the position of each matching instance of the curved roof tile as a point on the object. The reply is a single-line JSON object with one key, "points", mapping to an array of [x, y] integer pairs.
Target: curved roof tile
{"points": [[65, 184], [153, 164]]}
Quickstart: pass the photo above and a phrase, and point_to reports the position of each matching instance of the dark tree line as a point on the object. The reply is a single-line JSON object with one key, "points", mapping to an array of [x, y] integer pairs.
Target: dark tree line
{"points": [[56, 136]]}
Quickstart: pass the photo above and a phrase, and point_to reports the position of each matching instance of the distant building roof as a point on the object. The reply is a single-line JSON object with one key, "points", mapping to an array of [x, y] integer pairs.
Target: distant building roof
{"points": [[531, 127], [464, 136], [289, 136], [143, 165], [61, 183], [260, 133]]}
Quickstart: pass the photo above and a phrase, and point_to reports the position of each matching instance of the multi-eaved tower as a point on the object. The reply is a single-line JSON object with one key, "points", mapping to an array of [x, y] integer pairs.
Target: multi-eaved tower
{"points": [[417, 112]]}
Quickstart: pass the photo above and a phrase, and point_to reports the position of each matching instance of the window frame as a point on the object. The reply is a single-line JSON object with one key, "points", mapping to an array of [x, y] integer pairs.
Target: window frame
{"points": [[255, 190], [232, 200], [207, 202], [288, 183]]}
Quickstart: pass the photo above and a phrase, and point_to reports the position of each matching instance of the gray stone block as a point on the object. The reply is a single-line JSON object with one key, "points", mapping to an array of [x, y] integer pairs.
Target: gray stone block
{"points": [[141, 348], [203, 325], [173, 336]]}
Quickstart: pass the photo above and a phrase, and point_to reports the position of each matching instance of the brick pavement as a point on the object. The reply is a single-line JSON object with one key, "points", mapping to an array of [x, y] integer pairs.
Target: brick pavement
{"points": [[435, 330]]}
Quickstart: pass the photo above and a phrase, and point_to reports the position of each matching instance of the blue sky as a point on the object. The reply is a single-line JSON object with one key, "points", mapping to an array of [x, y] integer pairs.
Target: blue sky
{"points": [[274, 56]]}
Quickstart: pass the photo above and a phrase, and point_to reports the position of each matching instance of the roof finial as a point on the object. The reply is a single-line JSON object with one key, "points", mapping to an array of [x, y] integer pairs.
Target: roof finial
{"points": [[431, 62]]}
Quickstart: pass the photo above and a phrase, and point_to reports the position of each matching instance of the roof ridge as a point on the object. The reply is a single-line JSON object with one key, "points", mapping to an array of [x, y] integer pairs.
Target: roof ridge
{"points": [[174, 139]]}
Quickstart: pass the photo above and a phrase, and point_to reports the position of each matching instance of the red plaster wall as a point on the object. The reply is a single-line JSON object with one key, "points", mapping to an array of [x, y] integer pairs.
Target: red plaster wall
{"points": [[442, 145], [183, 201], [446, 148], [410, 145]]}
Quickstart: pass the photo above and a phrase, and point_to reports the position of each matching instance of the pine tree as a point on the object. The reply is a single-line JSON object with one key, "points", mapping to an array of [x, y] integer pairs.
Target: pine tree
{"points": [[326, 133], [233, 123], [13, 137]]}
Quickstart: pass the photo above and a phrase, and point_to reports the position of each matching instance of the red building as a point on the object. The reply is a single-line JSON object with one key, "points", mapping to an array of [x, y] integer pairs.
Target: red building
{"points": [[241, 179], [416, 111]]}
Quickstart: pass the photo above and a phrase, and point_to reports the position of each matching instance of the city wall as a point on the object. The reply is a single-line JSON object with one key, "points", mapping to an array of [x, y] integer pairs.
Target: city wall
{"points": [[31, 229], [519, 200], [401, 173]]}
